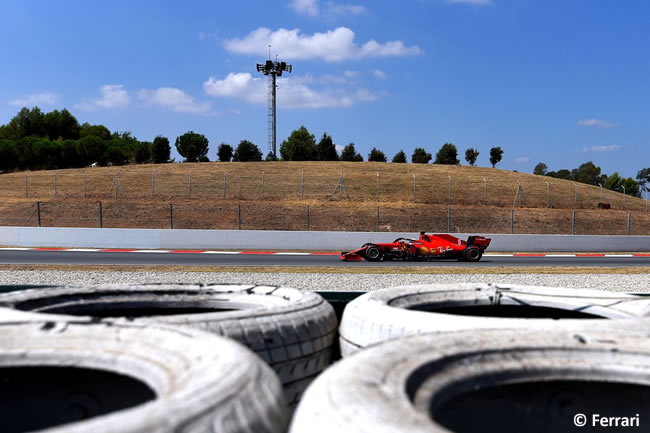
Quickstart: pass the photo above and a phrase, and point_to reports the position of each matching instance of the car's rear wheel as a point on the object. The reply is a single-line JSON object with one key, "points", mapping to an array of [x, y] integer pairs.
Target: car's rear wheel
{"points": [[373, 253], [473, 254]]}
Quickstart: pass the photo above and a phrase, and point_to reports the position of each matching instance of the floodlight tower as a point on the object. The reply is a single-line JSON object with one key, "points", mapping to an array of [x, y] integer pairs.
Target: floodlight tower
{"points": [[273, 69]]}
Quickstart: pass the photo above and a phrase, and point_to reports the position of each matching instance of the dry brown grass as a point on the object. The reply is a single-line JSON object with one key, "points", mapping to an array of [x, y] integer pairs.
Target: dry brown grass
{"points": [[282, 203]]}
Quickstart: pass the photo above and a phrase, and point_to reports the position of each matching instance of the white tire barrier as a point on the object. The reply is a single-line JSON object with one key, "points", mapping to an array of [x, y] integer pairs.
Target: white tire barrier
{"points": [[290, 329], [494, 380], [120, 377], [406, 310]]}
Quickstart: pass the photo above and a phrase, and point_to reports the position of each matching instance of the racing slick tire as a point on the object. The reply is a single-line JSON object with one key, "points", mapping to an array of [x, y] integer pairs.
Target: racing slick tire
{"points": [[473, 254], [116, 376], [292, 330], [373, 253], [467, 381], [395, 312]]}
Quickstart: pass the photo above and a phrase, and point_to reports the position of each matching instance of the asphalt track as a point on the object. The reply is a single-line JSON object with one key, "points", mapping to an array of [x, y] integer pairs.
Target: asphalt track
{"points": [[215, 258]]}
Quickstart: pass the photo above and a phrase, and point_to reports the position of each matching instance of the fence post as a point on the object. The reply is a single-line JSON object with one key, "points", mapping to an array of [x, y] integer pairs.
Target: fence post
{"points": [[101, 216], [302, 185], [153, 183], [512, 221], [485, 190], [449, 195], [377, 219], [415, 196], [377, 186], [548, 195], [38, 212], [601, 192], [225, 185], [239, 216], [55, 173], [308, 222], [448, 220], [26, 193], [262, 184], [171, 216], [573, 223], [629, 222], [86, 184]]}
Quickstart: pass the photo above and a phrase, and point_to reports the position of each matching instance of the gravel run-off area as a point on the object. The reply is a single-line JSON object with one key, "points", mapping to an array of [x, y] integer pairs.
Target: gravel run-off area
{"points": [[325, 281]]}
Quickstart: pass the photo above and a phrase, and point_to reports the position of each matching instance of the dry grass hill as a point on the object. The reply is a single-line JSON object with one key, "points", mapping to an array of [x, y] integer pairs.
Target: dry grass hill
{"points": [[316, 196]]}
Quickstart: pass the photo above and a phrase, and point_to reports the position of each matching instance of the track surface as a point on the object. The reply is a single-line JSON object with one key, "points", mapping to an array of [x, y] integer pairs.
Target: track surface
{"points": [[303, 260]]}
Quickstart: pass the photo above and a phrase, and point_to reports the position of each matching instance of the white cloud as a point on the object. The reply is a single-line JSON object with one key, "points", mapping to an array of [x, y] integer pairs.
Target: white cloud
{"points": [[350, 74], [292, 93], [522, 160], [173, 99], [45, 98], [611, 148], [312, 8], [470, 2], [332, 46], [596, 122], [305, 7], [346, 9], [113, 96], [379, 74]]}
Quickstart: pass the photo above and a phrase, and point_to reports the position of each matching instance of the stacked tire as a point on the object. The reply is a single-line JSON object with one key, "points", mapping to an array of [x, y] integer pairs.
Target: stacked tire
{"points": [[74, 376], [484, 357], [292, 330], [105, 353]]}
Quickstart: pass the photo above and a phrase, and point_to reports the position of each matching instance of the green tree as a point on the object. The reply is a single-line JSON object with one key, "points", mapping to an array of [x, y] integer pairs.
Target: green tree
{"points": [[225, 152], [632, 187], [587, 173], [448, 154], [420, 156], [540, 169], [376, 155], [350, 154], [400, 157], [271, 157], [471, 155], [91, 149], [8, 155], [143, 152], [27, 123], [560, 174], [300, 146], [95, 130], [643, 176], [192, 146], [614, 182], [61, 125], [160, 150], [247, 151], [326, 149], [496, 153]]}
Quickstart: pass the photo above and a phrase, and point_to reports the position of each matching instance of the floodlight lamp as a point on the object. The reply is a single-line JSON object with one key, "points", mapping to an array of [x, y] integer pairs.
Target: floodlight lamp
{"points": [[260, 68]]}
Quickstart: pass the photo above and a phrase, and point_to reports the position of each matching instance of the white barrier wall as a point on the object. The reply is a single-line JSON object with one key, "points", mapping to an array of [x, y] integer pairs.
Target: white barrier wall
{"points": [[287, 240]]}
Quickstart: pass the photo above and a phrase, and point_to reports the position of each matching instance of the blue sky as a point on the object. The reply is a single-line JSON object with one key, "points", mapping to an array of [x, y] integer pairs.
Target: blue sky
{"points": [[555, 81]]}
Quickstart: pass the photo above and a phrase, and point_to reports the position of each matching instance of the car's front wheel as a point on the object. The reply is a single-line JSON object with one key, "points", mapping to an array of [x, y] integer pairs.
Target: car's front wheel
{"points": [[373, 253]]}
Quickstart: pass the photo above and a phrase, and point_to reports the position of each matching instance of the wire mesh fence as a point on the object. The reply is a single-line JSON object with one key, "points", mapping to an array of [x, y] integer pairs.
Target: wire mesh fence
{"points": [[315, 216], [364, 183]]}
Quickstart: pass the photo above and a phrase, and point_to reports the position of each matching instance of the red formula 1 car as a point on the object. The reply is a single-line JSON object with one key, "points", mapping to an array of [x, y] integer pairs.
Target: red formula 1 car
{"points": [[428, 247]]}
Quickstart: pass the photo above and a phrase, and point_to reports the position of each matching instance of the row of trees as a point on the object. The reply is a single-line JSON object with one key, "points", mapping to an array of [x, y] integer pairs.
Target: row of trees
{"points": [[591, 174]]}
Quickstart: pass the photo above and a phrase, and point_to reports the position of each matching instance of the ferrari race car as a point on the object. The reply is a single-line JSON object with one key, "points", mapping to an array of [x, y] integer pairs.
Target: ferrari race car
{"points": [[427, 247]]}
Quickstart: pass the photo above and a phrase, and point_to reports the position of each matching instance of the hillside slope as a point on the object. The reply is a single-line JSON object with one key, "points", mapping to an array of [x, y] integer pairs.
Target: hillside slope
{"points": [[316, 196]]}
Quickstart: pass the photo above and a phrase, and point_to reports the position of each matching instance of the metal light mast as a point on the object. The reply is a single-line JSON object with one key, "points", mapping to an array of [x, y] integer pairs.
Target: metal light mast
{"points": [[273, 69]]}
